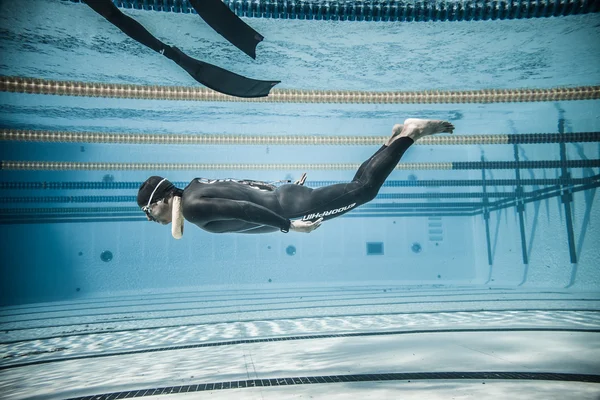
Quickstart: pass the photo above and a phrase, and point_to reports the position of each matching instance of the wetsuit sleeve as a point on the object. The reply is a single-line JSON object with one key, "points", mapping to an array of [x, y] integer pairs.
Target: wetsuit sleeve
{"points": [[215, 209]]}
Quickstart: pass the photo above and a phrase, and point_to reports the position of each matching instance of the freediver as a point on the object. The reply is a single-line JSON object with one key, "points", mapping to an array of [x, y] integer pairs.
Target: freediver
{"points": [[247, 206]]}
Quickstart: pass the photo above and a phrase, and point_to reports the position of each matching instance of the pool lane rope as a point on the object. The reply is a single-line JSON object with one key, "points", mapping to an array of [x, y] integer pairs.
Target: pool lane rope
{"points": [[175, 213], [195, 93], [130, 185], [384, 10], [456, 165], [46, 136]]}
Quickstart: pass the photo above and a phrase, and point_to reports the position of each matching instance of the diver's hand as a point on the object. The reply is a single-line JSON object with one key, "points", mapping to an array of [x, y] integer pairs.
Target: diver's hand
{"points": [[301, 180], [305, 226]]}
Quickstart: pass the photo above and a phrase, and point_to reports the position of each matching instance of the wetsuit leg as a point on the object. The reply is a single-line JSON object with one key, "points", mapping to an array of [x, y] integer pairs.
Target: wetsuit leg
{"points": [[209, 75], [334, 200], [128, 25], [218, 15]]}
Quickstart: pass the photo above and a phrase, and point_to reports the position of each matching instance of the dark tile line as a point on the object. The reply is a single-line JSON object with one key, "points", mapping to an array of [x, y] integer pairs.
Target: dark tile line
{"points": [[217, 293], [291, 338], [290, 300], [218, 310], [334, 291], [478, 310], [310, 380]]}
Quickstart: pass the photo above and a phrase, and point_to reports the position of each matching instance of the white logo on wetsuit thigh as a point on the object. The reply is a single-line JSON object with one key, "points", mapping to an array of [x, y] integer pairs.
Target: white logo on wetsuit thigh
{"points": [[327, 213]]}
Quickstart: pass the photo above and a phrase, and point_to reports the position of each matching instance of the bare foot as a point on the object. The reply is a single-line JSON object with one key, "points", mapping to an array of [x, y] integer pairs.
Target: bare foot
{"points": [[417, 128], [396, 130]]}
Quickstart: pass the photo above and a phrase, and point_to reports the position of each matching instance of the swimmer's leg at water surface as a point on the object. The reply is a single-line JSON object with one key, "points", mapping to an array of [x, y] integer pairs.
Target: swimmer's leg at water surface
{"points": [[214, 77], [316, 205], [218, 15]]}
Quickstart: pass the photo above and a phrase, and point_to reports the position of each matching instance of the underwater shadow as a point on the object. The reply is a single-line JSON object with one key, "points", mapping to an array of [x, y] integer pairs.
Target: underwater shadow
{"points": [[494, 243], [536, 206], [589, 196]]}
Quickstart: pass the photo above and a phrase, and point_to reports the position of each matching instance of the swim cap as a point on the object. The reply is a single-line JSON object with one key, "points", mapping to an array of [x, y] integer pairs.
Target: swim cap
{"points": [[158, 185]]}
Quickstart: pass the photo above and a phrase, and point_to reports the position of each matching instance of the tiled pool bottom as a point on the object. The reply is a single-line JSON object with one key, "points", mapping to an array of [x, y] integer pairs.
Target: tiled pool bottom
{"points": [[454, 356], [145, 342], [395, 389]]}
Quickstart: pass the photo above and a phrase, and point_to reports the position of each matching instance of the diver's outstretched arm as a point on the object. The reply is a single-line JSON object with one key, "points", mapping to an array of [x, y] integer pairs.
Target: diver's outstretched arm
{"points": [[214, 77]]}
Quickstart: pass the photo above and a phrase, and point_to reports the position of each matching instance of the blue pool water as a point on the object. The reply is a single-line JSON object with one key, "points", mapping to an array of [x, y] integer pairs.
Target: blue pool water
{"points": [[96, 300]]}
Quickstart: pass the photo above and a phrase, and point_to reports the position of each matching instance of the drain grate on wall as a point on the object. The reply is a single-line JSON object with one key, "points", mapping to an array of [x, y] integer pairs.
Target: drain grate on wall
{"points": [[374, 248], [308, 380], [435, 229]]}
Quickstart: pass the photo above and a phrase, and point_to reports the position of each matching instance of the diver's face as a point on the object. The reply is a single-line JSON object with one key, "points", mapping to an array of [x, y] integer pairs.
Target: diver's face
{"points": [[160, 212]]}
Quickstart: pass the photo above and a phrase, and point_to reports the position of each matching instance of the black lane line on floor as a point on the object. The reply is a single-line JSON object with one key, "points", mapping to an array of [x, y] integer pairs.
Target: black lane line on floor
{"points": [[309, 380], [111, 330], [293, 338], [341, 290], [108, 302], [388, 296], [237, 309], [194, 296], [246, 292], [289, 299]]}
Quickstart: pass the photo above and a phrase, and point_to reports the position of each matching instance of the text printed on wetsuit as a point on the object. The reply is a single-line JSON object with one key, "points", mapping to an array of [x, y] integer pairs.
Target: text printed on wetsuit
{"points": [[327, 213]]}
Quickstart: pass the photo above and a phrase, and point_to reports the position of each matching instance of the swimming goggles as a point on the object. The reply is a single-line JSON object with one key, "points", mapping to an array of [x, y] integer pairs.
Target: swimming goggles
{"points": [[147, 209]]}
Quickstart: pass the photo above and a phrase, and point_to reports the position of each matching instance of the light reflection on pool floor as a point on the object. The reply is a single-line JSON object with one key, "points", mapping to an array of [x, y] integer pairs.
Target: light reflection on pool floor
{"points": [[64, 330]]}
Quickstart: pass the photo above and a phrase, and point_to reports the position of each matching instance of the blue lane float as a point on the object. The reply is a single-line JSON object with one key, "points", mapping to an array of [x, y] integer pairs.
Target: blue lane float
{"points": [[384, 11], [80, 185]]}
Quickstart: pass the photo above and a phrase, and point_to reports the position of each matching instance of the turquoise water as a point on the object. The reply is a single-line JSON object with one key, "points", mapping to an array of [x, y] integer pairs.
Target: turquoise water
{"points": [[85, 276]]}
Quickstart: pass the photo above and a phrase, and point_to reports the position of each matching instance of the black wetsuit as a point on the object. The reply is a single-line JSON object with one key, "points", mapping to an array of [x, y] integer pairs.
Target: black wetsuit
{"points": [[228, 206]]}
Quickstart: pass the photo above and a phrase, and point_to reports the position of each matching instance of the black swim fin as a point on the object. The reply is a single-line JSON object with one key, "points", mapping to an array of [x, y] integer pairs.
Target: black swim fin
{"points": [[227, 24], [220, 79]]}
